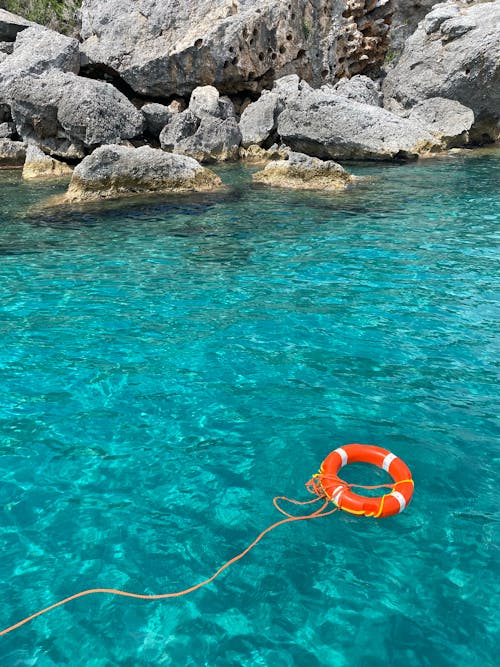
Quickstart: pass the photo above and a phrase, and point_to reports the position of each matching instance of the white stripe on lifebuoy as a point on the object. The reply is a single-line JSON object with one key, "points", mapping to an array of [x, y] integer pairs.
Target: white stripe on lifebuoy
{"points": [[401, 500], [386, 463], [336, 499], [343, 455]]}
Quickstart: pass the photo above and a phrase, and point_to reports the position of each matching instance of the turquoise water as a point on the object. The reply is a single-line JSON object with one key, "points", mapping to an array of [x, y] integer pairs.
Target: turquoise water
{"points": [[168, 366]]}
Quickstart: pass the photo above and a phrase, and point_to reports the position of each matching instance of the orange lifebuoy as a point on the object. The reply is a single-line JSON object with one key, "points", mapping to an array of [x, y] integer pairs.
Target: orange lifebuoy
{"points": [[340, 493]]}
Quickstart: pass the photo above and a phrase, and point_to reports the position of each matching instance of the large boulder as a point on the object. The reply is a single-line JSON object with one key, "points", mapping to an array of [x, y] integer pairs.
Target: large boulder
{"points": [[302, 172], [66, 115], [359, 88], [206, 131], [116, 171], [259, 120], [38, 50], [405, 18], [11, 25], [162, 48], [326, 125], [455, 54]]}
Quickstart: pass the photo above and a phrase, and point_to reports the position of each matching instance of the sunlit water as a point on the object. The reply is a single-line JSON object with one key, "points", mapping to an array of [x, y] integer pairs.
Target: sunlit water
{"points": [[168, 366]]}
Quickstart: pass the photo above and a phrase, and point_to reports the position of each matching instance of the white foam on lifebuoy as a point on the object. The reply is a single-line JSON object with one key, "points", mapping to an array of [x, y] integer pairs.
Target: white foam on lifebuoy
{"points": [[401, 500], [343, 455], [386, 463]]}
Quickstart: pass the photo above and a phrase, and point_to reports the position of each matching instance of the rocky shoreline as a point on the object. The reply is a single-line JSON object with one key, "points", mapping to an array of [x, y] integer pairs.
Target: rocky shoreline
{"points": [[138, 104]]}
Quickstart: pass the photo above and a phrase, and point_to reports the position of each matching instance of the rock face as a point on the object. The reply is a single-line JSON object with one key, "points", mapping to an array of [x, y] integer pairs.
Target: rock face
{"points": [[206, 131], [39, 166], [406, 16], [326, 125], [255, 154], [301, 172], [116, 171], [66, 114], [162, 48], [11, 25], [455, 54], [156, 117], [12, 153], [449, 120]]}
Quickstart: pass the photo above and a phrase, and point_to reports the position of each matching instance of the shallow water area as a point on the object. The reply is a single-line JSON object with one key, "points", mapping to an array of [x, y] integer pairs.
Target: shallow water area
{"points": [[168, 365]]}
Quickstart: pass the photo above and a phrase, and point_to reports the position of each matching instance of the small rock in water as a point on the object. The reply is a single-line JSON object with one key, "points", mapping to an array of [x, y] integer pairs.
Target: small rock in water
{"points": [[301, 172]]}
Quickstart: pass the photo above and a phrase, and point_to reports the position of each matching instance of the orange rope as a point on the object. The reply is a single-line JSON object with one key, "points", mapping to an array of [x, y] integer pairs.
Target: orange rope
{"points": [[162, 596]]}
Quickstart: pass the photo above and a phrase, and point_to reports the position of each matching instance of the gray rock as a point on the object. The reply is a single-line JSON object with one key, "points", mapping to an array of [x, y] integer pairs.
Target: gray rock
{"points": [[255, 154], [38, 166], [458, 63], [449, 120], [156, 116], [11, 25], [5, 116], [162, 48], [7, 47], [7, 130], [360, 89], [38, 51], [209, 139], [405, 18], [258, 121], [116, 171], [12, 153], [327, 125], [435, 18], [302, 172], [66, 114]]}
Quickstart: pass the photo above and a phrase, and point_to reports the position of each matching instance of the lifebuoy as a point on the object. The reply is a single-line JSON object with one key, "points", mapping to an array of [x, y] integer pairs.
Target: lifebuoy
{"points": [[340, 492]]}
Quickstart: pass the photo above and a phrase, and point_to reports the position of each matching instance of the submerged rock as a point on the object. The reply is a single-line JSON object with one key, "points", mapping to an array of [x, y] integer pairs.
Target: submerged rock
{"points": [[117, 171], [301, 172], [38, 166], [455, 54], [12, 153], [326, 125]]}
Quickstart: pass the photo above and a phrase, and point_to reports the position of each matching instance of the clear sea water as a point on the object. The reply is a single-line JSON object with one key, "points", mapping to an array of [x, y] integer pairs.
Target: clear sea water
{"points": [[167, 366]]}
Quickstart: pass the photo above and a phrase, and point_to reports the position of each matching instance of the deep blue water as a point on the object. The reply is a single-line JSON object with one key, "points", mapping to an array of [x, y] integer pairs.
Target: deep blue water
{"points": [[168, 366]]}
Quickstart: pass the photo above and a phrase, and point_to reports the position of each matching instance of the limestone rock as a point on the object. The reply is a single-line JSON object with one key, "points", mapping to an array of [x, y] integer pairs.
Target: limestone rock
{"points": [[11, 25], [455, 56], [38, 166], [449, 120], [116, 171], [168, 47], [326, 125], [258, 122], [12, 153], [66, 114], [7, 48], [207, 130], [7, 130], [301, 172], [156, 116], [37, 51], [360, 89], [255, 154], [405, 18]]}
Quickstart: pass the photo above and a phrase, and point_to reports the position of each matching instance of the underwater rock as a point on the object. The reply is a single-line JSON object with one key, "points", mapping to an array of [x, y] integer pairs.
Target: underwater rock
{"points": [[118, 171], [301, 172]]}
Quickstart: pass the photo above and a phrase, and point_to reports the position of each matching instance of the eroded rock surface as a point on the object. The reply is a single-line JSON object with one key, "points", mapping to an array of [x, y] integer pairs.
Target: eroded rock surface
{"points": [[66, 114], [162, 48], [38, 166], [117, 171], [455, 54], [326, 125], [449, 120], [301, 172], [12, 153], [11, 25]]}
